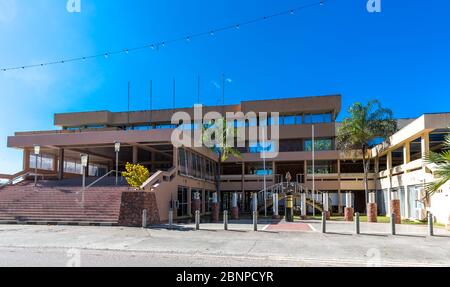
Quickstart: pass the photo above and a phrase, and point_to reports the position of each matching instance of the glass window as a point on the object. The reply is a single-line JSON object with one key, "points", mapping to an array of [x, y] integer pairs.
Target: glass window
{"points": [[318, 118], [323, 167], [319, 144], [182, 201]]}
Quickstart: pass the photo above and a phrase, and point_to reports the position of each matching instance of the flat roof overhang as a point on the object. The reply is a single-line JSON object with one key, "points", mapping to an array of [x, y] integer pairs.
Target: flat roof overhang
{"points": [[91, 138]]}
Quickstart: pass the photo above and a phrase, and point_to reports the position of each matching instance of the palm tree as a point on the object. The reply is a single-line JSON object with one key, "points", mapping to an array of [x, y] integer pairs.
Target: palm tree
{"points": [[221, 148], [442, 162], [364, 124]]}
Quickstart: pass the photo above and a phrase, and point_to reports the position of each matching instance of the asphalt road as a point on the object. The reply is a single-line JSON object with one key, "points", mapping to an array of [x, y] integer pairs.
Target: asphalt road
{"points": [[116, 246]]}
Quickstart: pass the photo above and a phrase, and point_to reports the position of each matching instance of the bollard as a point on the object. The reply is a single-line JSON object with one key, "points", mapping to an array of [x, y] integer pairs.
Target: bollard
{"points": [[225, 220], [170, 218], [393, 216], [144, 218], [357, 223], [255, 221], [197, 220], [324, 222], [430, 225]]}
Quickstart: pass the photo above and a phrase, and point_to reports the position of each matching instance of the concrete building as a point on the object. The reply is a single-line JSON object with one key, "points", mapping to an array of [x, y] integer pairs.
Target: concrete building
{"points": [[183, 174]]}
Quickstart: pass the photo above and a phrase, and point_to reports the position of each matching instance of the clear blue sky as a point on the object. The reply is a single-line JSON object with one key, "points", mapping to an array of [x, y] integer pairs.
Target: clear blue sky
{"points": [[400, 56]]}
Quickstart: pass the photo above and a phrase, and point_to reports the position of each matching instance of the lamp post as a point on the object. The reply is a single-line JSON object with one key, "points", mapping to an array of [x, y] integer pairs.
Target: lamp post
{"points": [[117, 149], [84, 163], [37, 151]]}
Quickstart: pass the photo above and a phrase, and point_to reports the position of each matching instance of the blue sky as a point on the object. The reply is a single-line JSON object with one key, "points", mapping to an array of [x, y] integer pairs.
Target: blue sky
{"points": [[400, 56]]}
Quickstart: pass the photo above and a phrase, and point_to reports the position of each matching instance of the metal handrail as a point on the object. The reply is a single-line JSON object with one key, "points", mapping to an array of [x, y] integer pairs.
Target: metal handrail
{"points": [[11, 181], [100, 179]]}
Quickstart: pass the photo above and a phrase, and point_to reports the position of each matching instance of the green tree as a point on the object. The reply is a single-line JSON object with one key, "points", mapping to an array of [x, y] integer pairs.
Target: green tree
{"points": [[361, 127], [136, 175], [442, 172], [224, 151]]}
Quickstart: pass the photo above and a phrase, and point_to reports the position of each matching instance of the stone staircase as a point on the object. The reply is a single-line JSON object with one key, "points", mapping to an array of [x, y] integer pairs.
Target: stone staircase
{"points": [[50, 203]]}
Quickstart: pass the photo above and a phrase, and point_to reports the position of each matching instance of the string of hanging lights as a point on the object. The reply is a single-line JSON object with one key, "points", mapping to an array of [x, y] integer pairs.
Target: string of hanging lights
{"points": [[162, 44]]}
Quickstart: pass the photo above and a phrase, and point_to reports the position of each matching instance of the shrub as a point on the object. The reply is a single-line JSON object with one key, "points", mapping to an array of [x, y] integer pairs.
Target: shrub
{"points": [[136, 175]]}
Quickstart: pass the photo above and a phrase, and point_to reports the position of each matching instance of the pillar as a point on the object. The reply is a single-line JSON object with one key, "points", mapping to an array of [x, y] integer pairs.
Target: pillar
{"points": [[26, 159], [234, 207], [189, 206], [276, 214], [135, 154], [61, 164], [339, 189], [395, 207], [372, 207], [406, 160], [304, 206], [243, 187], [215, 209], [349, 210]]}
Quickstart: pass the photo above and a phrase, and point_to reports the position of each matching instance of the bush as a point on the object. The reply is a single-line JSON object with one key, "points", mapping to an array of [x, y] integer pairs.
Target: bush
{"points": [[136, 175]]}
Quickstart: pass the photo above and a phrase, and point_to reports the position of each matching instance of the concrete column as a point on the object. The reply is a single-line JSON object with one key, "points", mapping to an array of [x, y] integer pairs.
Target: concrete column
{"points": [[234, 207], [61, 164], [215, 209], [189, 206], [406, 153], [276, 214], [55, 163], [305, 171], [243, 186], [26, 159], [325, 204], [339, 189], [135, 154], [349, 210], [395, 208], [389, 170], [425, 144], [204, 199], [406, 160], [372, 207]]}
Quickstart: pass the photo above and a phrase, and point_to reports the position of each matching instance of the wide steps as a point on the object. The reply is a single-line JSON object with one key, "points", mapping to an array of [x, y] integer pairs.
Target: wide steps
{"points": [[26, 203]]}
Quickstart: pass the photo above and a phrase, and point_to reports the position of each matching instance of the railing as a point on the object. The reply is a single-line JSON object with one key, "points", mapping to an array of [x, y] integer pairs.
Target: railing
{"points": [[159, 177], [19, 178], [102, 178], [313, 199]]}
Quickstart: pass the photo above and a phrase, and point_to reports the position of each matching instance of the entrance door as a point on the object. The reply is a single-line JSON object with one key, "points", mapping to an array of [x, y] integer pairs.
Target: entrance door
{"points": [[413, 202]]}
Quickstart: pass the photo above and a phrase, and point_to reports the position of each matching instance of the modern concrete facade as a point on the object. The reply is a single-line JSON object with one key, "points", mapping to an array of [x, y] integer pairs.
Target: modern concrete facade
{"points": [[186, 174]]}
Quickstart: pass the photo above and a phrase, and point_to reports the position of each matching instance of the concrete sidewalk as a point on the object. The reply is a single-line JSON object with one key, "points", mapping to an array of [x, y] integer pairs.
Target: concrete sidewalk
{"points": [[212, 246]]}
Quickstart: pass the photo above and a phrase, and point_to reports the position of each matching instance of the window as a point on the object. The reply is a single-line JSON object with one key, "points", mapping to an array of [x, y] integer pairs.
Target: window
{"points": [[165, 126], [261, 147], [182, 201], [397, 157], [258, 169], [290, 120], [291, 145], [319, 144], [318, 118], [382, 163], [43, 162], [323, 167], [415, 149]]}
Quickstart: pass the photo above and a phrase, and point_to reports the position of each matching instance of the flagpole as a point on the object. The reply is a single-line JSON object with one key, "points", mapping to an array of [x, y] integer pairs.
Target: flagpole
{"points": [[313, 171], [264, 162]]}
